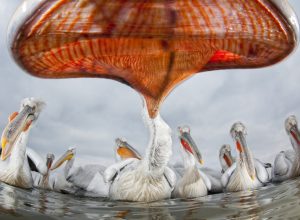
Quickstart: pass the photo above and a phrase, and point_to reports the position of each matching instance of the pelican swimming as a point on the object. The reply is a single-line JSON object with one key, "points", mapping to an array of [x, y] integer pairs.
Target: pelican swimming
{"points": [[148, 179], [287, 163], [42, 180], [213, 175], [225, 157], [84, 180], [192, 182], [14, 166], [246, 172]]}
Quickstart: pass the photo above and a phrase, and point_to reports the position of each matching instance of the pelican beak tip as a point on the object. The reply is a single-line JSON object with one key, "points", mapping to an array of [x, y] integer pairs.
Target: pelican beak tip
{"points": [[201, 162], [3, 142], [3, 157]]}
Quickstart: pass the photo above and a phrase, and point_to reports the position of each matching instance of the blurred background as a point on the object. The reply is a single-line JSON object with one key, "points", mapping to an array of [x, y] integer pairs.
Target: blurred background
{"points": [[90, 113]]}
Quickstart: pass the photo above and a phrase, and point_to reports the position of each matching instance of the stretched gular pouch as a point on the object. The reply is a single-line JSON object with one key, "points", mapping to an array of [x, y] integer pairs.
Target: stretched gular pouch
{"points": [[149, 45]]}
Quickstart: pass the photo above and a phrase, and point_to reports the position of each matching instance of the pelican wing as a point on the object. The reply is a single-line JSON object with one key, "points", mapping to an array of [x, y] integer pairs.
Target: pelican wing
{"points": [[112, 171], [261, 171], [227, 174], [84, 175], [98, 187], [206, 180], [282, 166], [215, 179], [36, 162], [290, 155], [170, 176]]}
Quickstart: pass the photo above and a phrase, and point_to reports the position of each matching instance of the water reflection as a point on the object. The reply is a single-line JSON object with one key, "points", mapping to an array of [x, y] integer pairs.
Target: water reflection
{"points": [[281, 201]]}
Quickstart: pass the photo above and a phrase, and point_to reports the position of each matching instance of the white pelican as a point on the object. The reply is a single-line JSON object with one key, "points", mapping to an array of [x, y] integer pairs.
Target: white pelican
{"points": [[225, 157], [83, 180], [246, 172], [14, 166], [287, 163], [148, 179], [42, 180], [192, 182], [213, 175]]}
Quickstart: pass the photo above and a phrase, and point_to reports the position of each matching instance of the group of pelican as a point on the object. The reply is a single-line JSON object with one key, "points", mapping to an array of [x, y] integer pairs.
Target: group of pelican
{"points": [[137, 178]]}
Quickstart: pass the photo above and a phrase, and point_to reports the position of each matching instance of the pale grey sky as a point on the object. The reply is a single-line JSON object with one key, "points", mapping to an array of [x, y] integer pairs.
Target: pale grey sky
{"points": [[91, 113]]}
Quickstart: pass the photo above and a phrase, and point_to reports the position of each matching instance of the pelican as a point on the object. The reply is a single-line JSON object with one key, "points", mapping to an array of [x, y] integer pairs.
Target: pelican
{"points": [[148, 179], [287, 163], [225, 157], [213, 175], [14, 166], [83, 180], [246, 172], [42, 180], [192, 182]]}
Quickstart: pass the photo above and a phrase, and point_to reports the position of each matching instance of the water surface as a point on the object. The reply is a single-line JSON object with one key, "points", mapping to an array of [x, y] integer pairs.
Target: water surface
{"points": [[280, 201]]}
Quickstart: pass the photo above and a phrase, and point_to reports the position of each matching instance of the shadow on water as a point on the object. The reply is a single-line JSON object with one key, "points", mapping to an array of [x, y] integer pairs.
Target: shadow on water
{"points": [[272, 202]]}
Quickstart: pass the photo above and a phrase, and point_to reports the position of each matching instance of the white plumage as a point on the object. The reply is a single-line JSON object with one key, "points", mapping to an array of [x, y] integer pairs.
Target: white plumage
{"points": [[246, 173], [287, 163]]}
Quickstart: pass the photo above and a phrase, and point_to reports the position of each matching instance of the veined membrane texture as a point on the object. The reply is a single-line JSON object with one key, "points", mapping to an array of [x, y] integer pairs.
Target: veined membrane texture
{"points": [[275, 201]]}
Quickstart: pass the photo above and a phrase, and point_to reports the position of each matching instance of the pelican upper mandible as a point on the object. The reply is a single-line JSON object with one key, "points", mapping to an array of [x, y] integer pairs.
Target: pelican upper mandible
{"points": [[192, 182], [225, 157], [287, 163], [14, 167], [246, 172]]}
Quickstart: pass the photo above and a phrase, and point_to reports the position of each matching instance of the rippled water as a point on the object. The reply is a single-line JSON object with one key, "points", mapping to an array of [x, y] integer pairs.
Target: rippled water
{"points": [[271, 202]]}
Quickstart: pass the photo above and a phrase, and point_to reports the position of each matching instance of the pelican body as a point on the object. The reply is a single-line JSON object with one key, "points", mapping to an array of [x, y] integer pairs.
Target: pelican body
{"points": [[287, 163], [246, 173], [14, 166]]}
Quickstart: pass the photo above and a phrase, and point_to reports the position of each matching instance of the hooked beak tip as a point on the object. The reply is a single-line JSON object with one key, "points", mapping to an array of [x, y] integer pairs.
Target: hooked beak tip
{"points": [[3, 142], [3, 157], [201, 162], [252, 177]]}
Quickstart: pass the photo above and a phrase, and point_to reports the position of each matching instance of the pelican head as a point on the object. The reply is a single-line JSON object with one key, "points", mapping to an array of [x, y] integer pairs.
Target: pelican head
{"points": [[125, 150], [188, 143], [225, 149], [49, 160], [238, 132], [291, 127], [225, 155], [68, 155], [20, 122]]}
